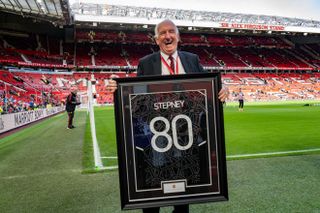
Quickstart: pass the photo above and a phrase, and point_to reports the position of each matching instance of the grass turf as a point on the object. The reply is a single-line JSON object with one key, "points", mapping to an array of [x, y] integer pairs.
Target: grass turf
{"points": [[281, 184], [40, 171], [271, 128], [106, 136], [260, 128]]}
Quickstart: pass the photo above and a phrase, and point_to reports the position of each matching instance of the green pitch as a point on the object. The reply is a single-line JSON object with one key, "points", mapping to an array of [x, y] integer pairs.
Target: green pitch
{"points": [[273, 130], [44, 168]]}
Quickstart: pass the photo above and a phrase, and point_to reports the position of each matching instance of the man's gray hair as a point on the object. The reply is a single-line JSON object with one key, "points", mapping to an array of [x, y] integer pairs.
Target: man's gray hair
{"points": [[156, 33]]}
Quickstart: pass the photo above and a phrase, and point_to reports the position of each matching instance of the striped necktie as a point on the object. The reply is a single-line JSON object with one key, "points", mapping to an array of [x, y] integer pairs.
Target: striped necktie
{"points": [[172, 64]]}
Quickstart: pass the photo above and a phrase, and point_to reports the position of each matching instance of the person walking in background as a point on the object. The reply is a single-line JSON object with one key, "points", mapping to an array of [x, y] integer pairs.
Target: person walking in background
{"points": [[240, 98], [71, 104]]}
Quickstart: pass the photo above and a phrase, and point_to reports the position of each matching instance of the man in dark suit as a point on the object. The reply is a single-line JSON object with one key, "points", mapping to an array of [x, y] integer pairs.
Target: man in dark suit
{"points": [[167, 38], [160, 63], [169, 61], [152, 64]]}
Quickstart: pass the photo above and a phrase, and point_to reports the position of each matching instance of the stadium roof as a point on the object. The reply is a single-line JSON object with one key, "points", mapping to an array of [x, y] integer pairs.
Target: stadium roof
{"points": [[83, 14], [307, 9], [56, 11], [97, 15]]}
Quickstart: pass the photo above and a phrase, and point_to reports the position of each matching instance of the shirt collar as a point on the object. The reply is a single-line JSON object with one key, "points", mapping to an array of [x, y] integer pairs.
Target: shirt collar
{"points": [[166, 57]]}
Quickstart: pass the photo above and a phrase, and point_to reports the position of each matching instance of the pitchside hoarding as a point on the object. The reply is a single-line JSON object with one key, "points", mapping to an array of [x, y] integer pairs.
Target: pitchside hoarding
{"points": [[14, 120]]}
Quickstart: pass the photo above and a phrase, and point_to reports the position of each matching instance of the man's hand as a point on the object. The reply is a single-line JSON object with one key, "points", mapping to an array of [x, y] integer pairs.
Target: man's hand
{"points": [[111, 85], [223, 94]]}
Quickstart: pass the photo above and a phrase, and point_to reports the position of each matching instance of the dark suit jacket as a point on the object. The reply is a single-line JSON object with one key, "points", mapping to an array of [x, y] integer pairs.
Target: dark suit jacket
{"points": [[71, 102], [151, 64]]}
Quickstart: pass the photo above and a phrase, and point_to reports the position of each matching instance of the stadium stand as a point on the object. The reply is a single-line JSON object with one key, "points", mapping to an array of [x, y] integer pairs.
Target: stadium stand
{"points": [[257, 86], [42, 66]]}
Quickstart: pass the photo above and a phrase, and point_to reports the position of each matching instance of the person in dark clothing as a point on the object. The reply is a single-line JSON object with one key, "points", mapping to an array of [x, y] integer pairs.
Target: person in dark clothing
{"points": [[71, 104], [168, 61], [240, 99]]}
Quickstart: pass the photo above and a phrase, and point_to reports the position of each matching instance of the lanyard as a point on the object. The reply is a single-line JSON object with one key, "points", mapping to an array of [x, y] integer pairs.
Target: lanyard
{"points": [[172, 72]]}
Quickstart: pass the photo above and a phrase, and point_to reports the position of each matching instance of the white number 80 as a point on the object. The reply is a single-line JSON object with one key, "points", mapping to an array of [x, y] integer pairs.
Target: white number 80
{"points": [[165, 134]]}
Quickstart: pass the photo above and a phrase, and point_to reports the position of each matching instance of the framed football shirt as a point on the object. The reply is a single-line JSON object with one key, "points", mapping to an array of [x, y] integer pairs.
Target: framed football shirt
{"points": [[170, 139]]}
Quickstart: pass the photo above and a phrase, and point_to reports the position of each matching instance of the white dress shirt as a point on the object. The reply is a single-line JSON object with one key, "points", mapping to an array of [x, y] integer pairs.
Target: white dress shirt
{"points": [[164, 68]]}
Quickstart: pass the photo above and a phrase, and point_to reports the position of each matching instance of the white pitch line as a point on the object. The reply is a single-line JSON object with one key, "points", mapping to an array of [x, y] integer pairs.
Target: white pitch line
{"points": [[232, 156], [272, 153], [250, 155], [110, 157], [110, 167]]}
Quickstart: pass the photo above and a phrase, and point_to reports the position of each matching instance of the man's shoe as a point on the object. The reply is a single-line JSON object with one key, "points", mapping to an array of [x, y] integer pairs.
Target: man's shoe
{"points": [[73, 127], [69, 127]]}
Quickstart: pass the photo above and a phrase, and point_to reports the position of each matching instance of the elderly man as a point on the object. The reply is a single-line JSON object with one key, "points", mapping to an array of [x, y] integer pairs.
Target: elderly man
{"points": [[169, 61]]}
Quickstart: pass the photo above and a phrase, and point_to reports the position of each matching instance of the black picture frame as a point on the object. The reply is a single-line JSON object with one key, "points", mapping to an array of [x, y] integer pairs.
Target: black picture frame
{"points": [[170, 140]]}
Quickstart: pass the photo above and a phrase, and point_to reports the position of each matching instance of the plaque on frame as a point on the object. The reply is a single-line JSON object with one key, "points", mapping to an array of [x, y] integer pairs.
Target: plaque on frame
{"points": [[170, 140]]}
